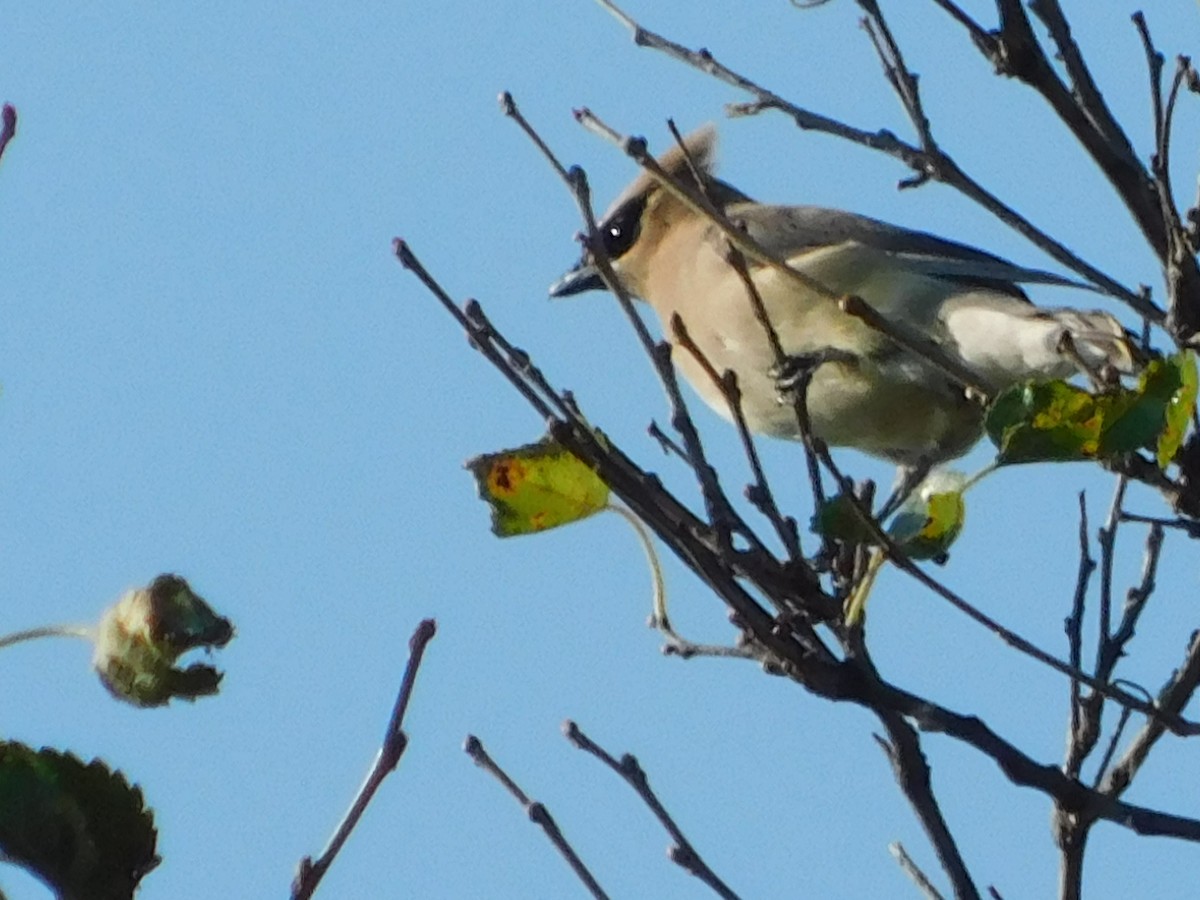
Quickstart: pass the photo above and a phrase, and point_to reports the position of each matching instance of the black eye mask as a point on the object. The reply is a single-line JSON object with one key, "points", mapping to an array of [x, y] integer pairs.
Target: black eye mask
{"points": [[620, 231]]}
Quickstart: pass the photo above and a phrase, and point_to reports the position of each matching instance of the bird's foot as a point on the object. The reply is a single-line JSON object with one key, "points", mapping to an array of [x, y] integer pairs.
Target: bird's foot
{"points": [[793, 372]]}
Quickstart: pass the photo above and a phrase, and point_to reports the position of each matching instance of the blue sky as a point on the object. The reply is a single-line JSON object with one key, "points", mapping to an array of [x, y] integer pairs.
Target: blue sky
{"points": [[212, 364]]}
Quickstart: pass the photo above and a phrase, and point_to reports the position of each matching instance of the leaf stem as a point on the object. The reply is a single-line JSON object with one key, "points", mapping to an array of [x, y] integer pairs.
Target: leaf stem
{"points": [[78, 631]]}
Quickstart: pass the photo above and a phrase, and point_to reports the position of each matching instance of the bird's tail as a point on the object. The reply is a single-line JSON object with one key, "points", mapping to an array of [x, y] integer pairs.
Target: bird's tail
{"points": [[1007, 341]]}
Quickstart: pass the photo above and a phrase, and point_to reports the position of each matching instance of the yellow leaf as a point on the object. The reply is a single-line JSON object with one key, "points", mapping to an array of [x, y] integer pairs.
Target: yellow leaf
{"points": [[537, 487]]}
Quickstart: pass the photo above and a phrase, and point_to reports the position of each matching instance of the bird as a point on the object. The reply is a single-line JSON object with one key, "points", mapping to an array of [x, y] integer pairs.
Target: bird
{"points": [[865, 390]]}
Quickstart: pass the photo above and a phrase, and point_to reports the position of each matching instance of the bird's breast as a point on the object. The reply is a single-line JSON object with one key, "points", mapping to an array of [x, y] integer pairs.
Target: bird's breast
{"points": [[872, 396]]}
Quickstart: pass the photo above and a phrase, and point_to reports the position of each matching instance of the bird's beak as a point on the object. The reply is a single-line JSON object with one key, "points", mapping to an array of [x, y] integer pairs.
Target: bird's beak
{"points": [[584, 277]]}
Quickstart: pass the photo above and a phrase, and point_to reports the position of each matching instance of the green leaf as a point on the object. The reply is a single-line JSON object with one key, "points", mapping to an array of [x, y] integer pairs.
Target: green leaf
{"points": [[1139, 417], [537, 487], [80, 827], [926, 527], [1179, 409], [1053, 421], [142, 636], [839, 518], [1044, 421]]}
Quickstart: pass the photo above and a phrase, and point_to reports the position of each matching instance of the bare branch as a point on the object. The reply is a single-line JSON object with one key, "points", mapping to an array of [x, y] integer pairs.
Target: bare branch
{"points": [[802, 657], [8, 126], [1069, 794], [1099, 686], [1174, 695], [683, 852], [903, 82], [1071, 836], [1188, 526], [982, 38], [903, 749], [720, 510], [760, 491], [1086, 94], [1018, 53], [513, 364], [799, 397], [913, 871], [1182, 274], [1135, 599], [1074, 628], [1114, 741], [937, 166], [538, 814], [386, 760], [1107, 540], [1111, 645], [665, 441]]}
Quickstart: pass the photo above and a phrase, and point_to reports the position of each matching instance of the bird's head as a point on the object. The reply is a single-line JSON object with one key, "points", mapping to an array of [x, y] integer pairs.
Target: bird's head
{"points": [[634, 227]]}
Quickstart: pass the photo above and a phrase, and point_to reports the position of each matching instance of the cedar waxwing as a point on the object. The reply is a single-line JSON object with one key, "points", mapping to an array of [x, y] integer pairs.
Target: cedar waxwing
{"points": [[872, 394]]}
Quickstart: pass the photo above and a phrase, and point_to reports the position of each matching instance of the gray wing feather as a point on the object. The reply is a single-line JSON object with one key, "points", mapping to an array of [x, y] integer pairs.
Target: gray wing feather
{"points": [[787, 230]]}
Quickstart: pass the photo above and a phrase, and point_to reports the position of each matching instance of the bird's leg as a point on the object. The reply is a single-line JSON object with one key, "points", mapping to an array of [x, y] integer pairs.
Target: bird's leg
{"points": [[793, 372]]}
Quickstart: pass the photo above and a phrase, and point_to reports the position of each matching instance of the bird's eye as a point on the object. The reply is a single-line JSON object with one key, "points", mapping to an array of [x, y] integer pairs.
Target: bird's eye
{"points": [[621, 230]]}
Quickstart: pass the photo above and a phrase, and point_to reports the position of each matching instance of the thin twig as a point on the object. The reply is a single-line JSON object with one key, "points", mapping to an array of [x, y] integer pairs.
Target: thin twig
{"points": [[667, 442], [1114, 742], [509, 107], [727, 384], [1087, 715], [8, 126], [760, 493], [737, 262], [394, 743], [982, 37], [675, 524], [913, 871], [1182, 274], [901, 560], [1107, 539], [720, 510], [903, 82], [903, 749], [1087, 94], [660, 619], [1136, 597], [538, 814], [1016, 51], [481, 336], [897, 330], [1176, 694], [1069, 793], [683, 852], [941, 167], [1187, 525], [1074, 629]]}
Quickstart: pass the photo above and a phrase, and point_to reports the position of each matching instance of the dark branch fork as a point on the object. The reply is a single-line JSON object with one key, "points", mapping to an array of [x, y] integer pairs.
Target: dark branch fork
{"points": [[804, 637], [797, 649]]}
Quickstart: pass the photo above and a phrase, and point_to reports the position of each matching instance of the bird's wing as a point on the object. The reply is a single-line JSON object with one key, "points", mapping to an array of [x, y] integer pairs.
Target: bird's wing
{"points": [[790, 230]]}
